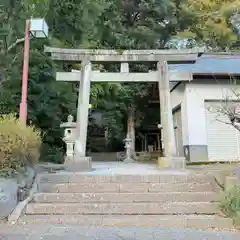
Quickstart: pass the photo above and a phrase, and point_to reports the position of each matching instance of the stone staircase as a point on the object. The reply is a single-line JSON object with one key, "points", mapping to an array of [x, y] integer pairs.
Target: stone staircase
{"points": [[176, 200]]}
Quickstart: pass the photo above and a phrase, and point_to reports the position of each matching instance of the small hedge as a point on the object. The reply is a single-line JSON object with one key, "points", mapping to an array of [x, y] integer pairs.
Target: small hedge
{"points": [[19, 145], [230, 204]]}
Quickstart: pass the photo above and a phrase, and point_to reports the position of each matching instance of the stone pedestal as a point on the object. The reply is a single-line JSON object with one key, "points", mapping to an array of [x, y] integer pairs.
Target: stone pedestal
{"points": [[82, 164], [176, 163], [128, 160], [163, 162]]}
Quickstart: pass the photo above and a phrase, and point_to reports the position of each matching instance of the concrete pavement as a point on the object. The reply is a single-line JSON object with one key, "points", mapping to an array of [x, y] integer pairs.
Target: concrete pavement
{"points": [[52, 232]]}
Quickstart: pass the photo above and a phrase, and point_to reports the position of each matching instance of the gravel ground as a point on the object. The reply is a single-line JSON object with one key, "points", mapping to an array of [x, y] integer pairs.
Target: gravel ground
{"points": [[50, 232]]}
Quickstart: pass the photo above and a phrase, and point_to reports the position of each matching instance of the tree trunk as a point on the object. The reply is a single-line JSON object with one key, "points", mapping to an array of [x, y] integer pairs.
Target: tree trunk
{"points": [[131, 128]]}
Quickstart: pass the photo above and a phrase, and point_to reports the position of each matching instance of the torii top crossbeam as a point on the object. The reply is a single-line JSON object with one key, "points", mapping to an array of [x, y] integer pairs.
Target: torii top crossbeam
{"points": [[103, 55]]}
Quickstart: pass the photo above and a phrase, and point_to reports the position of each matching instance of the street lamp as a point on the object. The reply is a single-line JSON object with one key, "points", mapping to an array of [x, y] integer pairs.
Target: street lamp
{"points": [[36, 28]]}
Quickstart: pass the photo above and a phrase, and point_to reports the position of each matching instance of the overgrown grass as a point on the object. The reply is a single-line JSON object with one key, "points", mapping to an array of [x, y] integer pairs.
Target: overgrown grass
{"points": [[230, 204]]}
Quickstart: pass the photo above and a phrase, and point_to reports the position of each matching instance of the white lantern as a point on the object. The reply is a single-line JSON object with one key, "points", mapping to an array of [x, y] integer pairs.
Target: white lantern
{"points": [[38, 28]]}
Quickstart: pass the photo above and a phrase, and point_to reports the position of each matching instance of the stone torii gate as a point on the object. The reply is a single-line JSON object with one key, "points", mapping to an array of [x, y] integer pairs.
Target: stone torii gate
{"points": [[85, 76]]}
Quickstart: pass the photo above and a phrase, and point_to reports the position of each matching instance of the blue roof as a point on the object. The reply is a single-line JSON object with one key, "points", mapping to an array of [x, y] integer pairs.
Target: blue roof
{"points": [[218, 64]]}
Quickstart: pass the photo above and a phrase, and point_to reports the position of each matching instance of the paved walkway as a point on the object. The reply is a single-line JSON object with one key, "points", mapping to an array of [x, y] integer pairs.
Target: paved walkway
{"points": [[50, 232], [120, 168]]}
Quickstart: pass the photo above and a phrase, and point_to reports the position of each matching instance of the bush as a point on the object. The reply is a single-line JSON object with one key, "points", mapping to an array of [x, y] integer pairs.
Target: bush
{"points": [[51, 154], [230, 202], [19, 145]]}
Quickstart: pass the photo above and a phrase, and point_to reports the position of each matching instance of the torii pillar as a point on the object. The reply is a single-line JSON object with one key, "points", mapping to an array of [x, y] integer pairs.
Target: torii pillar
{"points": [[80, 162], [166, 115]]}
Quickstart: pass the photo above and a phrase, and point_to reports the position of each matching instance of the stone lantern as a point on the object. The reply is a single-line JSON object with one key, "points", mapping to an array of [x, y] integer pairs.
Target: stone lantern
{"points": [[69, 136], [127, 142]]}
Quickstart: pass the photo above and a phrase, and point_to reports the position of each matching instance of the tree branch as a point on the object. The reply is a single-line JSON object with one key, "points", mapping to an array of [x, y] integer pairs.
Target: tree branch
{"points": [[223, 122], [15, 57], [237, 126], [20, 40]]}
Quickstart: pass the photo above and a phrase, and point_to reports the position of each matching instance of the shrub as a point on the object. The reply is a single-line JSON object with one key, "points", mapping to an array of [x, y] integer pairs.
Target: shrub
{"points": [[19, 144], [230, 202], [51, 154]]}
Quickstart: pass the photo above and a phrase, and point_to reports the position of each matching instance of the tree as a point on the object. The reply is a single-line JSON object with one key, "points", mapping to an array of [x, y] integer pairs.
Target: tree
{"points": [[12, 22], [228, 110], [73, 23], [137, 24], [10, 34], [49, 103], [212, 24]]}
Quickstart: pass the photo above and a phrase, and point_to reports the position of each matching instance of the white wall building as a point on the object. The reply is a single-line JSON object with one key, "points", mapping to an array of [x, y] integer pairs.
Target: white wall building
{"points": [[201, 133]]}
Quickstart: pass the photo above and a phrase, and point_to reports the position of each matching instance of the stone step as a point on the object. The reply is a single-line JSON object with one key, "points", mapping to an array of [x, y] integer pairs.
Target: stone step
{"points": [[122, 208], [125, 187], [164, 177], [143, 221], [125, 197]]}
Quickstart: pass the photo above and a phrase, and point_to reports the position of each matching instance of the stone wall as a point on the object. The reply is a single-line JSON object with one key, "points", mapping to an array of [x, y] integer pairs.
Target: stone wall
{"points": [[8, 196], [14, 190]]}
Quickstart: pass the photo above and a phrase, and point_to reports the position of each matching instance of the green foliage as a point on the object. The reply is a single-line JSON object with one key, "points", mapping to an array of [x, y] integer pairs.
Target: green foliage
{"points": [[51, 153], [230, 202], [49, 102], [211, 22], [19, 145], [74, 22]]}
